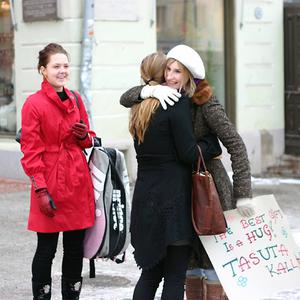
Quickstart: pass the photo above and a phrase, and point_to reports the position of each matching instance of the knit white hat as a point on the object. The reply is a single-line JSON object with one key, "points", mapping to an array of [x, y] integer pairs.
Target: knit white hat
{"points": [[189, 58]]}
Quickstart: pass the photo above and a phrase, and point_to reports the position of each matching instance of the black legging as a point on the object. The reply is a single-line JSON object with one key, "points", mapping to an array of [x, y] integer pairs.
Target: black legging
{"points": [[172, 268], [45, 252]]}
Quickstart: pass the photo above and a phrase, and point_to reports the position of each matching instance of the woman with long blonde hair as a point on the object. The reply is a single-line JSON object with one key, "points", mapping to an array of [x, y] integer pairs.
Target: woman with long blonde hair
{"points": [[152, 73], [161, 226]]}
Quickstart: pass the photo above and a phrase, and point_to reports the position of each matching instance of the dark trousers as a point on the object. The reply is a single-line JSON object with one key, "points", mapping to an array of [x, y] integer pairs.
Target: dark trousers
{"points": [[45, 252], [172, 268]]}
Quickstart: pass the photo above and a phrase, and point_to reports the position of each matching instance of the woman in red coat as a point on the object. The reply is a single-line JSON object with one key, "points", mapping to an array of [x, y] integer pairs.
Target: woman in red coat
{"points": [[55, 130]]}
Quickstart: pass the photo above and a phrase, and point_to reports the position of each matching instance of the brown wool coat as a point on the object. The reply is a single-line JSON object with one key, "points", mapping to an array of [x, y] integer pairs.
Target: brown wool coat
{"points": [[208, 116]]}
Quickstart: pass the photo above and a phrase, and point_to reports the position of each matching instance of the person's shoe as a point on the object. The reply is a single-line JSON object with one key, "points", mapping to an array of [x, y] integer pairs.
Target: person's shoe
{"points": [[41, 291], [194, 288], [213, 291], [71, 288]]}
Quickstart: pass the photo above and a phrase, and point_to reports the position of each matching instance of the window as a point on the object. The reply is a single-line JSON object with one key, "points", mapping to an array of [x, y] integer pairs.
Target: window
{"points": [[7, 104], [199, 24]]}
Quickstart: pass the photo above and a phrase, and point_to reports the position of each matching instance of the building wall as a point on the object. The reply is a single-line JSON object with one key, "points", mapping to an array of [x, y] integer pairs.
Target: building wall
{"points": [[120, 44], [120, 47], [30, 38], [259, 79]]}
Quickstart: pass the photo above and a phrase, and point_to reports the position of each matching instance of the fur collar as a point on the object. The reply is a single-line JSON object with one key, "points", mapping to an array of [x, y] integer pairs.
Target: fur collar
{"points": [[202, 93]]}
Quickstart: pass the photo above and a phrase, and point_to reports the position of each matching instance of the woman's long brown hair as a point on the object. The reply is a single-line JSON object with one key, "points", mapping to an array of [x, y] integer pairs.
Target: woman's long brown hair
{"points": [[152, 72]]}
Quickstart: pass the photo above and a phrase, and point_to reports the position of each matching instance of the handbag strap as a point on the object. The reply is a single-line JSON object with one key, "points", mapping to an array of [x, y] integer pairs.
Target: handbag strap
{"points": [[200, 159]]}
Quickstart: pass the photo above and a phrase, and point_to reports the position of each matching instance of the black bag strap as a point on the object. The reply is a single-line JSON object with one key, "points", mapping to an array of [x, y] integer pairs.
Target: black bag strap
{"points": [[76, 97], [77, 102], [92, 268]]}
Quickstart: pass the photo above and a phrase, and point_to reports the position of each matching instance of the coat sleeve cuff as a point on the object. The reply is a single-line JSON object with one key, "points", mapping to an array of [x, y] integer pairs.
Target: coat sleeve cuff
{"points": [[87, 142], [38, 181]]}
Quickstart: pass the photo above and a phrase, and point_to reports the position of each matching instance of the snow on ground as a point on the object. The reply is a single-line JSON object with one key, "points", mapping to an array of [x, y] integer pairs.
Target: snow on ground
{"points": [[274, 181], [270, 181]]}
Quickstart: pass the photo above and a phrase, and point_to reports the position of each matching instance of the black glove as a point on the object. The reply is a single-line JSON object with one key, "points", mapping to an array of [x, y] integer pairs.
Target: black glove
{"points": [[46, 203], [210, 146]]}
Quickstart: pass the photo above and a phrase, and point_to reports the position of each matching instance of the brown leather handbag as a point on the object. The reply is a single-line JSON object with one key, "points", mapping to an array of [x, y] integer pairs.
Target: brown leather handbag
{"points": [[207, 213]]}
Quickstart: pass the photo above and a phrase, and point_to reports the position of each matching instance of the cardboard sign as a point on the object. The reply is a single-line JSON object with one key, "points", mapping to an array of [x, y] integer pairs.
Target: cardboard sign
{"points": [[257, 257]]}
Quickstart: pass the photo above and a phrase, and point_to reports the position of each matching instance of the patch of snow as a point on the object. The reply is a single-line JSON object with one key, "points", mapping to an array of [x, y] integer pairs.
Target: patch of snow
{"points": [[274, 181], [270, 181]]}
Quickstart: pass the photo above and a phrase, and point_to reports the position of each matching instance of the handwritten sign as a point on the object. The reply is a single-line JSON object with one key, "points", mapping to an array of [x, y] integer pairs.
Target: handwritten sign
{"points": [[257, 257]]}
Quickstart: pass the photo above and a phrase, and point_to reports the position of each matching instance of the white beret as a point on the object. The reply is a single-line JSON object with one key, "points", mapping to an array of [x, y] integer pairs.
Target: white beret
{"points": [[189, 58]]}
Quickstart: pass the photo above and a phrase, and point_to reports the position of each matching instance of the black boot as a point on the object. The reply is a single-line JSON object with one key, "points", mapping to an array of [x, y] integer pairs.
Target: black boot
{"points": [[70, 288], [41, 291]]}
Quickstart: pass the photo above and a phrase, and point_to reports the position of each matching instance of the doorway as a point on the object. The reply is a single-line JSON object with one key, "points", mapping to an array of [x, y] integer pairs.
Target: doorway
{"points": [[292, 77]]}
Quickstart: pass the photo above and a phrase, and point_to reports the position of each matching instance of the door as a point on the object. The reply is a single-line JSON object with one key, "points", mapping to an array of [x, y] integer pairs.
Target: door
{"points": [[292, 77]]}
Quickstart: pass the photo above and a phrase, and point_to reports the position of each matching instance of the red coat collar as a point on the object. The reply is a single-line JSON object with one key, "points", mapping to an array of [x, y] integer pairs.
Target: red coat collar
{"points": [[67, 105]]}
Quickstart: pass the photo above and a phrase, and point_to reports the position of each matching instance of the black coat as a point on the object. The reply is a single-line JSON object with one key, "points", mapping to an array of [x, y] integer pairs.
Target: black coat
{"points": [[161, 206], [209, 117]]}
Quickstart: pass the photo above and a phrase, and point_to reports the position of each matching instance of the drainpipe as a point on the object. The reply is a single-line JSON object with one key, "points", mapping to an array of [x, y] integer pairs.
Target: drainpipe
{"points": [[86, 59], [12, 14]]}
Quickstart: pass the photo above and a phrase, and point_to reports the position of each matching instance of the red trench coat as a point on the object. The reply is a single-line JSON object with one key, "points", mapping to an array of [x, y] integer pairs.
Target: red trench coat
{"points": [[53, 159]]}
